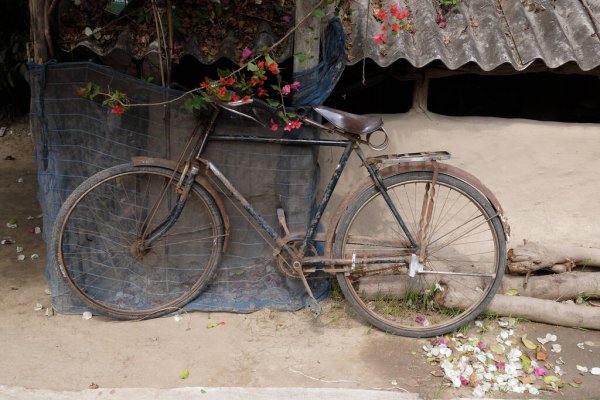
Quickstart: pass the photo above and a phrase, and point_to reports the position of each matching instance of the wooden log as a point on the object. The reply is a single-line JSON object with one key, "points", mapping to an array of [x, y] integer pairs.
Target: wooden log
{"points": [[555, 286], [550, 287], [532, 256], [546, 311]]}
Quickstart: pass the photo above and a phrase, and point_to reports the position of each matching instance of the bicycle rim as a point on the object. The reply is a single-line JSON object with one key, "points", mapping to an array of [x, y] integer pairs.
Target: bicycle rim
{"points": [[463, 262], [103, 219]]}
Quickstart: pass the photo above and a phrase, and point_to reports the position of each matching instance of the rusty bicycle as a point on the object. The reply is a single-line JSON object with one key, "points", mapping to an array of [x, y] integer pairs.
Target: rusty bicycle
{"points": [[418, 247]]}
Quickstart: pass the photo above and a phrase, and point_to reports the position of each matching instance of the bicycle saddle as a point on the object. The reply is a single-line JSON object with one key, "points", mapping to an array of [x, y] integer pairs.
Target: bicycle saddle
{"points": [[351, 123]]}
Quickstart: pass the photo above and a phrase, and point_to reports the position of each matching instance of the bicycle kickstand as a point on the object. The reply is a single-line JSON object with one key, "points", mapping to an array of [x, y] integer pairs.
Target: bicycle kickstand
{"points": [[313, 304]]}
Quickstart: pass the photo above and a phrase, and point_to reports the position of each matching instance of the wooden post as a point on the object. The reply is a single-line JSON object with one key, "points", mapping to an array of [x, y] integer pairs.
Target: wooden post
{"points": [[38, 11], [307, 36]]}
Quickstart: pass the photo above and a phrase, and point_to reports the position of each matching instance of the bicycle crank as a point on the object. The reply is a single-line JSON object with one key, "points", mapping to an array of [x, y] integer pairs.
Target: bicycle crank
{"points": [[284, 261]]}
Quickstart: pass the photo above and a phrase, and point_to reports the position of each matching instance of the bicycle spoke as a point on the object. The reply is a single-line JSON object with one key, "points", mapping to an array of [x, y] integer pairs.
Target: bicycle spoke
{"points": [[461, 255], [108, 264]]}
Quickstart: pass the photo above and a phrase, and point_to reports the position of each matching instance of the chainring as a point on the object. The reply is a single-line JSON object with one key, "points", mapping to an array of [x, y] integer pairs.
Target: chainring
{"points": [[284, 261]]}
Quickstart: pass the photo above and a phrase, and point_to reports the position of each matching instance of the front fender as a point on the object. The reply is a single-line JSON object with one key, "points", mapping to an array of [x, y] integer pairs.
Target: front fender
{"points": [[200, 179]]}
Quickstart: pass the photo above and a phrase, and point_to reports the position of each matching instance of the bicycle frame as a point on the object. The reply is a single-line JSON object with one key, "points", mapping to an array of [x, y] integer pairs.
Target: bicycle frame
{"points": [[456, 228], [349, 145], [300, 262]]}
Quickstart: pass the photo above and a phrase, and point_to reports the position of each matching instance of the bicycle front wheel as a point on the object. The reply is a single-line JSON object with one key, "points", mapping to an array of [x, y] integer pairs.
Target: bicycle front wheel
{"points": [[97, 235], [463, 260]]}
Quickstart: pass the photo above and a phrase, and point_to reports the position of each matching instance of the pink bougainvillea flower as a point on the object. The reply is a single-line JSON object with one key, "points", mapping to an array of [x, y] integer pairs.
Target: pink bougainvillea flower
{"points": [[246, 99], [443, 341], [227, 81], [274, 126], [382, 14], [206, 85], [286, 90], [295, 85], [379, 38], [402, 14], [274, 68], [500, 365], [481, 345], [117, 110], [256, 81], [234, 97], [394, 10], [441, 21], [292, 124], [464, 381], [287, 19], [262, 92], [222, 91], [247, 53], [539, 371], [396, 27]]}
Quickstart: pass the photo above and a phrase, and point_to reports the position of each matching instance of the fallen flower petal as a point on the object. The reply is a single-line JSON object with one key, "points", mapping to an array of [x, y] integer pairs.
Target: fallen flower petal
{"points": [[581, 368], [556, 348]]}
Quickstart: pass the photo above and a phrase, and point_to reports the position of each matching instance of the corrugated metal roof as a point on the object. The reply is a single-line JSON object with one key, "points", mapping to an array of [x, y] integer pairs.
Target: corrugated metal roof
{"points": [[486, 32], [489, 33]]}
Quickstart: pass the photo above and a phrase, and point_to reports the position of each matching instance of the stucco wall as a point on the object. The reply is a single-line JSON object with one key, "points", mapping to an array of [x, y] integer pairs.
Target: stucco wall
{"points": [[545, 174]]}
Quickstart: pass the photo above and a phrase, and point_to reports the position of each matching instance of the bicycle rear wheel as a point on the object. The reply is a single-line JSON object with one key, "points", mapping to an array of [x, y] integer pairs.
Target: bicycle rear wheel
{"points": [[96, 232], [462, 267]]}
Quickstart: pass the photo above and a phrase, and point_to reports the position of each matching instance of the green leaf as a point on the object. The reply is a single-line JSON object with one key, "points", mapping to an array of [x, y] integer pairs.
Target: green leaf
{"points": [[273, 103], [525, 362], [497, 348], [196, 103], [318, 13], [268, 59], [184, 374], [528, 343], [252, 67], [551, 379], [301, 57]]}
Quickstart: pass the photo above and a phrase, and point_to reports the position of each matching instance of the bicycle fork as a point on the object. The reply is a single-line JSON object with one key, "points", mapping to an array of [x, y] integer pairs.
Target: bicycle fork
{"points": [[144, 243]]}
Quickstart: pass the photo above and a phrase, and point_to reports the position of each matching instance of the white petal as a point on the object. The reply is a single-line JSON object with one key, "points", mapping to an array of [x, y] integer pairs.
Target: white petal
{"points": [[533, 390], [556, 348], [581, 368]]}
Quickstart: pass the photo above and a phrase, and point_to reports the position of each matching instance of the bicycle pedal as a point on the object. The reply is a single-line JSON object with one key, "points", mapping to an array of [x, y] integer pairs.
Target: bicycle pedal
{"points": [[314, 307], [282, 221]]}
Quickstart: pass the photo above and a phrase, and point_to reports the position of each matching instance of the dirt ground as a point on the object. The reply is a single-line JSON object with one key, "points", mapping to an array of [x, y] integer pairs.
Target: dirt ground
{"points": [[263, 349]]}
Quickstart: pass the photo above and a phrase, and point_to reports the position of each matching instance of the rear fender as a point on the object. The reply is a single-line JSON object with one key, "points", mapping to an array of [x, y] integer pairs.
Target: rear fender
{"points": [[427, 166]]}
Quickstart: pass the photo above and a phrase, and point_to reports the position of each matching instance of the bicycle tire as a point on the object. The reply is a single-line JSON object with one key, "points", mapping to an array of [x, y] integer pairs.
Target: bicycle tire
{"points": [[466, 237], [97, 225]]}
